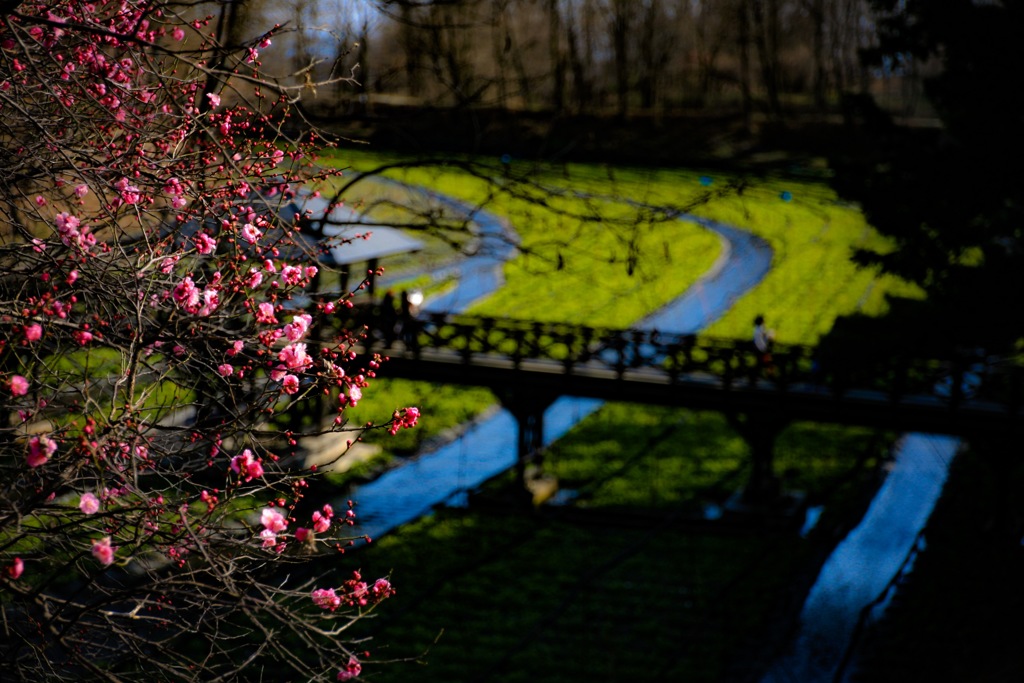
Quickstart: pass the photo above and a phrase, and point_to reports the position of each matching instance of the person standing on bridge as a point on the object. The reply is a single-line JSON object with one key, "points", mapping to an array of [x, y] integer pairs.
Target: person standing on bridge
{"points": [[764, 339]]}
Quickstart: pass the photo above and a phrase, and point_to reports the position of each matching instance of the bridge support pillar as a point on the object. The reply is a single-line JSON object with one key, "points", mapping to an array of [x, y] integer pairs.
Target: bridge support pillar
{"points": [[527, 407], [759, 430]]}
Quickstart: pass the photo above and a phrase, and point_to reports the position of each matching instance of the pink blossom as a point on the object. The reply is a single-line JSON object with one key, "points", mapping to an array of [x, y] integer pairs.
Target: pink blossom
{"points": [[290, 384], [83, 337], [351, 670], [129, 193], [204, 243], [236, 347], [247, 465], [405, 418], [103, 551], [214, 99], [33, 332], [178, 34], [70, 234], [298, 327], [81, 190], [321, 523], [211, 299], [382, 589], [209, 499], [302, 534], [167, 265], [225, 369], [311, 271], [265, 313], [294, 357], [355, 394], [18, 385], [89, 504], [273, 520], [72, 276], [255, 278], [40, 448], [15, 569], [292, 274], [251, 233], [326, 598], [40, 201], [186, 294], [269, 538]]}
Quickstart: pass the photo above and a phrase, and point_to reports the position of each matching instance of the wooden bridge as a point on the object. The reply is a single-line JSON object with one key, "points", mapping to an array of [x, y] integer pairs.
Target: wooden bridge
{"points": [[530, 364]]}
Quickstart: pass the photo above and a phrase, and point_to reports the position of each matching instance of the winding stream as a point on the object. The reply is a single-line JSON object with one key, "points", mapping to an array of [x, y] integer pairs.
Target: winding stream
{"points": [[488, 447], [855, 581]]}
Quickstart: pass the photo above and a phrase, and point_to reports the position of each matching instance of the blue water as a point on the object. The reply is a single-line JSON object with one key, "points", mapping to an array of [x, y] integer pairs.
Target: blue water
{"points": [[860, 570], [489, 447]]}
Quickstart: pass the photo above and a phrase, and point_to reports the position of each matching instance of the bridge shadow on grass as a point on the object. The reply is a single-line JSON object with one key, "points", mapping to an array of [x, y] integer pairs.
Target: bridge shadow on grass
{"points": [[623, 583]]}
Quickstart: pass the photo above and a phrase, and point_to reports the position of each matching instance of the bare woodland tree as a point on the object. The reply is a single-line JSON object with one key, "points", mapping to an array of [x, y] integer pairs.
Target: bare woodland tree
{"points": [[626, 55], [157, 345]]}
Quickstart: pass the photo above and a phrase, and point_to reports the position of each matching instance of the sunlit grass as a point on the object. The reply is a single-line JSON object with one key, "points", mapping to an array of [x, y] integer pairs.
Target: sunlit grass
{"points": [[535, 598], [596, 253]]}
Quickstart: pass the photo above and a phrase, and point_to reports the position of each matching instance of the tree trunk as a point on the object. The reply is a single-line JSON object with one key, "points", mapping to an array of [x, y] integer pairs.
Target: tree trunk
{"points": [[501, 45], [765, 37], [817, 11], [620, 30], [411, 46], [556, 56], [743, 38]]}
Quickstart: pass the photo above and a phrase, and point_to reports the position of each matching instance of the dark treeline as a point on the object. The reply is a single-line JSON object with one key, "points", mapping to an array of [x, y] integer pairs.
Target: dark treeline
{"points": [[608, 57]]}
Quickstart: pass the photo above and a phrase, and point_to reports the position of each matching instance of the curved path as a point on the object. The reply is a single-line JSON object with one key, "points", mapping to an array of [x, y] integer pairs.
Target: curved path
{"points": [[853, 584], [489, 446]]}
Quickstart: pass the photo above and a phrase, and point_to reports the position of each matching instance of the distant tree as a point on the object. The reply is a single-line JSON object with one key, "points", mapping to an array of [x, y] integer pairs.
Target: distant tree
{"points": [[157, 349]]}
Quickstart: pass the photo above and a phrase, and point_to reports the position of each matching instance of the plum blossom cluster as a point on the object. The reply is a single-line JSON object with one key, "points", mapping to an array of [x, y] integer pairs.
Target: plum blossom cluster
{"points": [[321, 523], [355, 592], [406, 418], [351, 670], [159, 328]]}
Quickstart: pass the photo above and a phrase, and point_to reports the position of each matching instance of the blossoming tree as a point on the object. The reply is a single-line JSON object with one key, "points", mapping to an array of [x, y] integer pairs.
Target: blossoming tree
{"points": [[160, 335]]}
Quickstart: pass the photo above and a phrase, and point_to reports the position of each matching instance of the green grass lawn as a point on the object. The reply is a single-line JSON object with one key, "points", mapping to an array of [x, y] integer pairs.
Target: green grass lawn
{"points": [[621, 583], [595, 253], [599, 246]]}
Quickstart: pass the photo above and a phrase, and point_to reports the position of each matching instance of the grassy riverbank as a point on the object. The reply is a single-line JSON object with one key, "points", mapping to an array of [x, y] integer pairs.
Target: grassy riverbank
{"points": [[627, 582], [600, 246]]}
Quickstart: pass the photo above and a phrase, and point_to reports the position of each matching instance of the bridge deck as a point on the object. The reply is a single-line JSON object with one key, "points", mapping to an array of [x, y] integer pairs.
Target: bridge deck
{"points": [[954, 395]]}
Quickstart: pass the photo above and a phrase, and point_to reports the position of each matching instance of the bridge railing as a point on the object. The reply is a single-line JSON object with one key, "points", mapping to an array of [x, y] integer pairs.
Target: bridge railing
{"points": [[728, 362]]}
